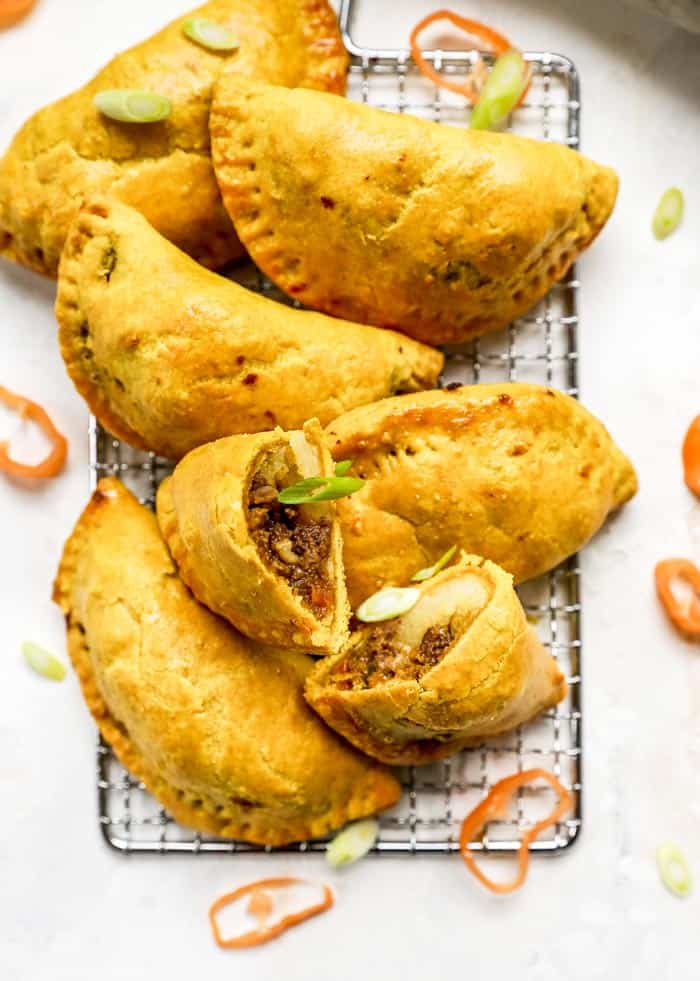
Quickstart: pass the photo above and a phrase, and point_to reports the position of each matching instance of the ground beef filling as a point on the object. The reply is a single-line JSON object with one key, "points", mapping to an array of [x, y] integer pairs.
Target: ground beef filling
{"points": [[382, 658], [292, 545]]}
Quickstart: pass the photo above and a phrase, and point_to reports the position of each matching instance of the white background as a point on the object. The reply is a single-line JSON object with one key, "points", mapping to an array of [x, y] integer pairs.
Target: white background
{"points": [[72, 909]]}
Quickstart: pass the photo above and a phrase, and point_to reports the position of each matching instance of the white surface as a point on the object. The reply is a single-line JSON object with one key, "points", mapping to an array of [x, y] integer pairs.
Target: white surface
{"points": [[72, 909]]}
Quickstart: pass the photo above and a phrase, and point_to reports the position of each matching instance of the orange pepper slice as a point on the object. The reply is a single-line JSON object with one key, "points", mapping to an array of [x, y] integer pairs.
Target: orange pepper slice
{"points": [[684, 615], [495, 805], [12, 11], [262, 934], [51, 465], [494, 43], [691, 457]]}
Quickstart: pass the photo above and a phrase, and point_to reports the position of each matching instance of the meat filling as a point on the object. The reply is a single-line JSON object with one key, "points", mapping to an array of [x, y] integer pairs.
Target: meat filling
{"points": [[291, 543], [381, 657]]}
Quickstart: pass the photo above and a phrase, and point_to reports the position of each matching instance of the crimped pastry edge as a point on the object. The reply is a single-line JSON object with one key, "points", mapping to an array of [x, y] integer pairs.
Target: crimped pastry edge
{"points": [[294, 277], [191, 811]]}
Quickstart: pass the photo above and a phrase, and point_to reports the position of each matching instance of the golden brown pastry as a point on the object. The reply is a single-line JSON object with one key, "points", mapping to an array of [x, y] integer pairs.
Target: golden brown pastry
{"points": [[462, 665], [68, 151], [440, 232], [169, 356], [274, 571], [216, 727], [520, 474]]}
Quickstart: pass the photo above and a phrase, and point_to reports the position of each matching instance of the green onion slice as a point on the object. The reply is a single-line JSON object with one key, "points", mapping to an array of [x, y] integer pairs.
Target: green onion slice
{"points": [[352, 843], [332, 488], [433, 570], [501, 92], [674, 870], [210, 35], [342, 467], [43, 661], [132, 105], [668, 214], [388, 603]]}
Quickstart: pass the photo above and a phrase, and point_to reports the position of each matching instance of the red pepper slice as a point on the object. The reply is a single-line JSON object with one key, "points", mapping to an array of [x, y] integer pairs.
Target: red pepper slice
{"points": [[261, 909], [683, 614], [691, 457], [51, 465], [492, 40], [495, 805]]}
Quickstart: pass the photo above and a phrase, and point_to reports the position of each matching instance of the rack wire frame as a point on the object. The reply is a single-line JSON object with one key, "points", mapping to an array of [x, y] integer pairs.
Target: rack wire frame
{"points": [[542, 347]]}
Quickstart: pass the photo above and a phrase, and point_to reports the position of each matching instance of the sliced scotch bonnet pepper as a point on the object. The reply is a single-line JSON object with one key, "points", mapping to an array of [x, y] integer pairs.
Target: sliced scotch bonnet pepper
{"points": [[52, 464], [261, 906], [12, 11], [491, 40], [678, 588], [495, 805], [691, 457]]}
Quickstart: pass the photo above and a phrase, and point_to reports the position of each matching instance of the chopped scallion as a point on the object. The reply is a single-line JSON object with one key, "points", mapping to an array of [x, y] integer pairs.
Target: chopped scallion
{"points": [[390, 602], [501, 91], [133, 106], [331, 489], [432, 570], [668, 214], [674, 870], [42, 661], [352, 843], [216, 37]]}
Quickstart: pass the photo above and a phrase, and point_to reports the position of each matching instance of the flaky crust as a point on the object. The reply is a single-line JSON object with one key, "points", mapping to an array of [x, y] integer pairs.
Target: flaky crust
{"points": [[217, 729], [69, 151], [202, 512], [444, 233], [170, 356], [521, 474], [496, 676]]}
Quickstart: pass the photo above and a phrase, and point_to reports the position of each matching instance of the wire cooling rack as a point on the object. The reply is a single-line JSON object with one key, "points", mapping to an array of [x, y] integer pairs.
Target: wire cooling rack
{"points": [[539, 347]]}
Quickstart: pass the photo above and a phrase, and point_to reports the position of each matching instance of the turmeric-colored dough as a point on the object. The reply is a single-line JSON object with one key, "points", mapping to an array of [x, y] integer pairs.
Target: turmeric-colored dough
{"points": [[440, 232], [170, 356], [462, 665], [274, 571], [68, 151], [216, 727], [520, 474]]}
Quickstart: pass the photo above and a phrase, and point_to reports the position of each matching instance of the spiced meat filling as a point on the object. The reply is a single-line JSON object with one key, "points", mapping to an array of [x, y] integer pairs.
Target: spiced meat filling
{"points": [[381, 657], [295, 545]]}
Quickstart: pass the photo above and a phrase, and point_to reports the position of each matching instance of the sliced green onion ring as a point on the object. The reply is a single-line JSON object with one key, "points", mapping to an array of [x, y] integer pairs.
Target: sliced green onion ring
{"points": [[674, 870], [332, 488], [432, 570], [352, 842], [216, 37], [42, 661], [133, 105], [342, 467], [501, 91], [668, 214], [390, 602]]}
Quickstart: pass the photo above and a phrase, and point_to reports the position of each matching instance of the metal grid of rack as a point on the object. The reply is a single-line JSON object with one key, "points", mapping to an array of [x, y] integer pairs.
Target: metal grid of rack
{"points": [[540, 347]]}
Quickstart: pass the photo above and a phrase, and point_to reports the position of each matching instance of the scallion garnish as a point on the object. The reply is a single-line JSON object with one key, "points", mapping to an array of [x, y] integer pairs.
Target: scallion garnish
{"points": [[315, 489], [352, 842], [216, 37], [132, 105], [668, 214], [674, 870], [501, 91], [432, 570], [342, 467], [42, 661], [388, 603]]}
